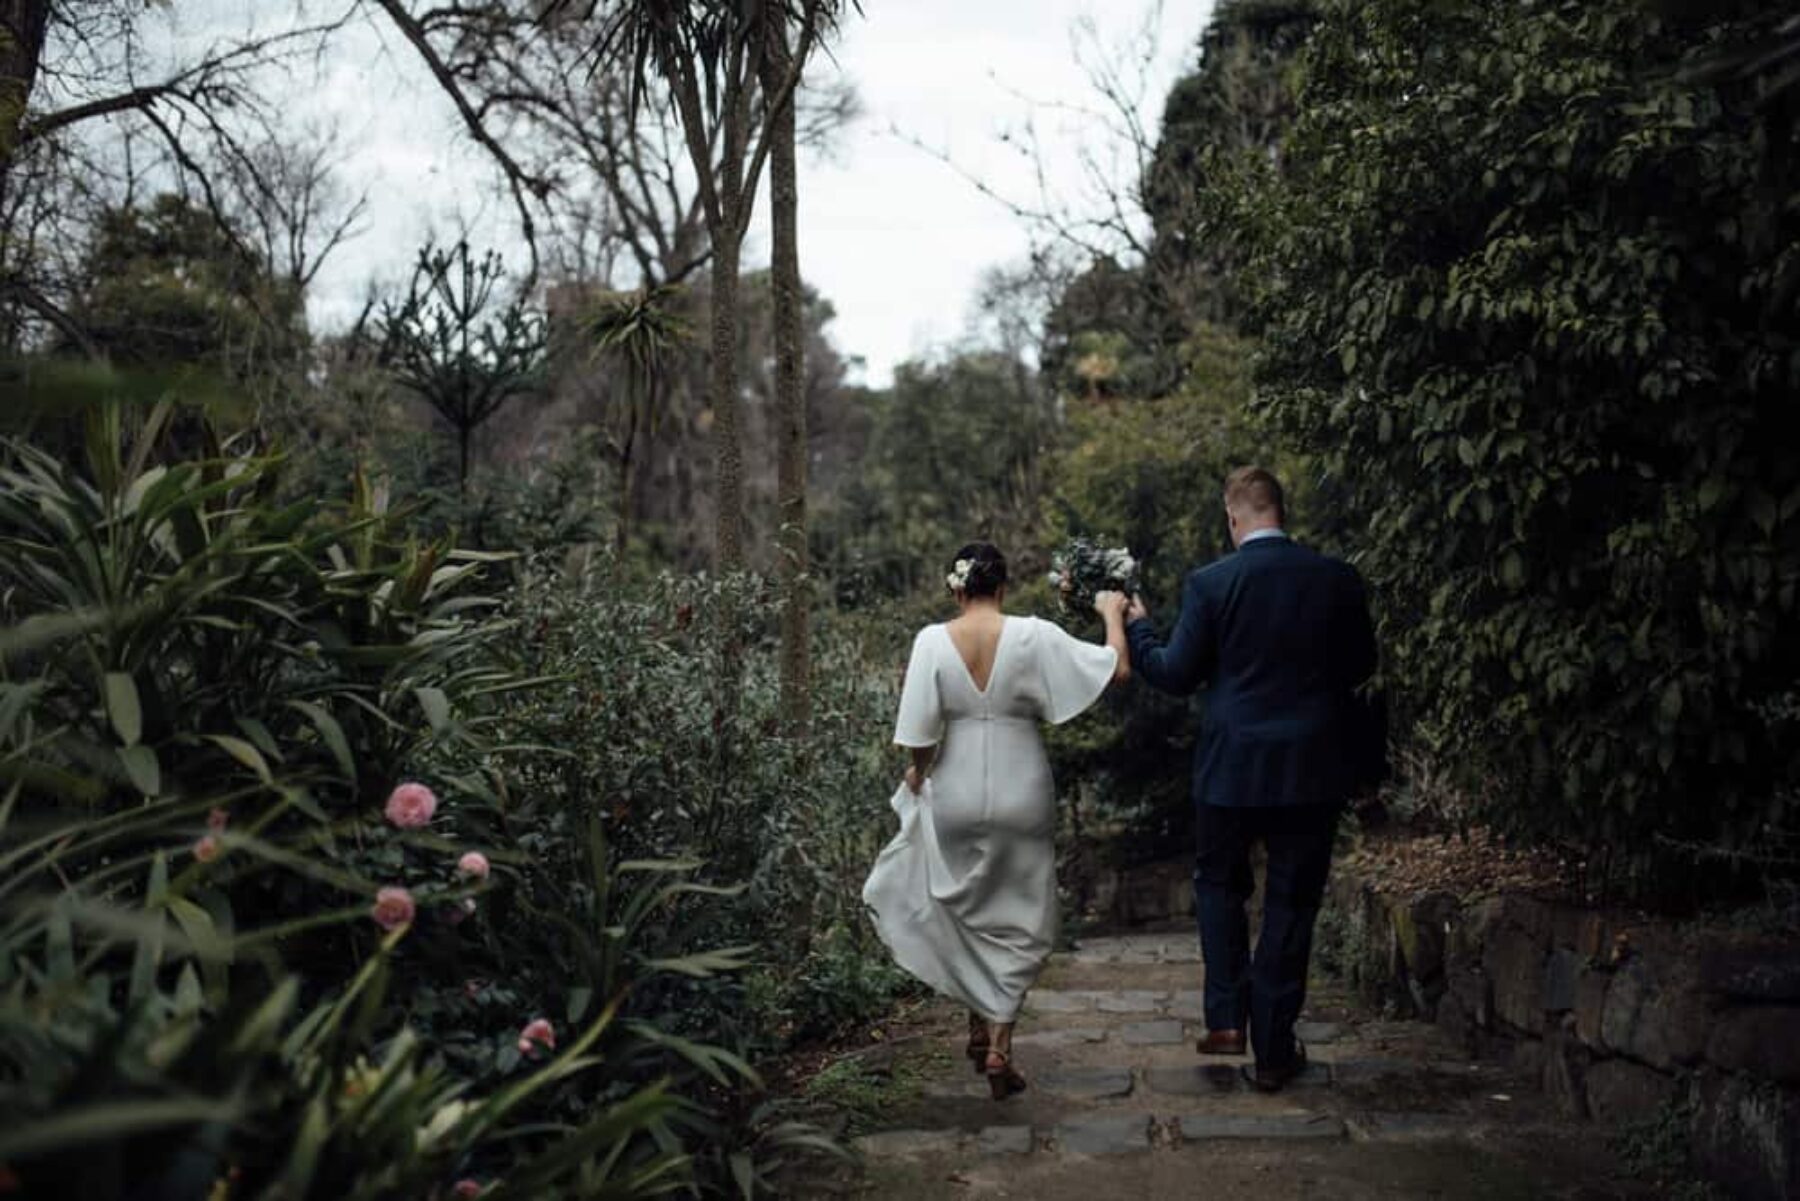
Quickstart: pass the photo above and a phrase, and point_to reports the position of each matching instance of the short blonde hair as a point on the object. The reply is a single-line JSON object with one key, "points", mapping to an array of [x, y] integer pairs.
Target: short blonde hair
{"points": [[1255, 489]]}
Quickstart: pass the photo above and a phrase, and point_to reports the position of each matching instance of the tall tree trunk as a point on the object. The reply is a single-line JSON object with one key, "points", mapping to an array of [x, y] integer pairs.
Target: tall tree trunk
{"points": [[790, 390], [728, 455], [22, 26], [626, 463]]}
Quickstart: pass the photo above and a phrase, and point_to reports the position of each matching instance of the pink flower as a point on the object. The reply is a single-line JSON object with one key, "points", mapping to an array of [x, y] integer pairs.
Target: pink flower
{"points": [[467, 1188], [536, 1031], [393, 908], [411, 806], [207, 849], [217, 820], [473, 864]]}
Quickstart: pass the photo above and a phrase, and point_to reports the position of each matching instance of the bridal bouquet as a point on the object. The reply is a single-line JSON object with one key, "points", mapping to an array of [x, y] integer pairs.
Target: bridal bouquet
{"points": [[1084, 567]]}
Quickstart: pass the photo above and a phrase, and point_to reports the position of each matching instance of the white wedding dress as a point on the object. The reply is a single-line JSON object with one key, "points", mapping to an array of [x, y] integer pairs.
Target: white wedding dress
{"points": [[965, 894]]}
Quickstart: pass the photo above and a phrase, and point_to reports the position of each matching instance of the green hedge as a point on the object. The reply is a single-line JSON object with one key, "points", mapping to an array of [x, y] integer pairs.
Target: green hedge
{"points": [[1528, 282]]}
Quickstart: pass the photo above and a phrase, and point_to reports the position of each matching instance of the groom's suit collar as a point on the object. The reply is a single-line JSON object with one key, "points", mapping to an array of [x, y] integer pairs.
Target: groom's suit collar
{"points": [[1271, 536]]}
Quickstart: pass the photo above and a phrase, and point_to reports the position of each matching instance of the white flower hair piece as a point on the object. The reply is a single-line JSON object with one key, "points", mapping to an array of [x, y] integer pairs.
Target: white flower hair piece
{"points": [[958, 579]]}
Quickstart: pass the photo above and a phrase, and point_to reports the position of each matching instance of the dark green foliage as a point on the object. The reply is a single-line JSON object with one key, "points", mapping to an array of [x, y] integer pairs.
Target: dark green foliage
{"points": [[794, 823], [1237, 101], [1111, 334], [206, 698], [168, 286], [1528, 278], [1151, 473], [170, 304], [955, 452]]}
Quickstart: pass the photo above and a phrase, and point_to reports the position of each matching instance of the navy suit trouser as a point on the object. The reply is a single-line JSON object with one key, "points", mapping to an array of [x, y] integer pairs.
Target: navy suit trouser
{"points": [[1264, 991]]}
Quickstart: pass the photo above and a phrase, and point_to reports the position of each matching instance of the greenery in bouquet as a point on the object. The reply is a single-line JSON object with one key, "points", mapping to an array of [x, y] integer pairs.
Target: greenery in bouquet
{"points": [[1085, 567]]}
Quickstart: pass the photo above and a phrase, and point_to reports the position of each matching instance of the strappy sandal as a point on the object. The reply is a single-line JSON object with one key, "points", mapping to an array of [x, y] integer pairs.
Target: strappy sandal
{"points": [[978, 1043], [1003, 1079]]}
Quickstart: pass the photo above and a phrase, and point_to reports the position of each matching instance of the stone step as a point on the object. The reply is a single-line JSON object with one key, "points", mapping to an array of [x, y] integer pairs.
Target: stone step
{"points": [[1210, 1127], [1222, 1079], [1097, 1082], [1209, 1077], [1104, 1134], [1068, 1036], [1412, 1127], [1112, 1133], [1090, 1084], [1138, 950], [1179, 1004]]}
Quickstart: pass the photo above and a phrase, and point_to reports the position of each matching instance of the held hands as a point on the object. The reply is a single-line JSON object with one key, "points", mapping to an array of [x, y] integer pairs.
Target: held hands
{"points": [[1136, 610], [1111, 606]]}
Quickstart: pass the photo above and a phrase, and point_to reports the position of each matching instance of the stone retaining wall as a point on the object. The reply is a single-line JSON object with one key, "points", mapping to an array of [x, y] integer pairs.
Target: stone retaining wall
{"points": [[1151, 892], [1623, 1020]]}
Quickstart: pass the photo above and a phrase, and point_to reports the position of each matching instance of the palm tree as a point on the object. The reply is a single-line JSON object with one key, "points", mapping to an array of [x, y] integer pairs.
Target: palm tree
{"points": [[790, 384], [709, 55], [639, 331]]}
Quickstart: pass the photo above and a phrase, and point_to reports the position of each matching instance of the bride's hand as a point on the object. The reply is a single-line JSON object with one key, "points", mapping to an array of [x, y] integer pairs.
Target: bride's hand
{"points": [[915, 780], [1110, 604]]}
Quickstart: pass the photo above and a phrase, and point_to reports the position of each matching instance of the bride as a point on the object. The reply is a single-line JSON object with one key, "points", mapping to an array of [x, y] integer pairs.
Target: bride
{"points": [[965, 894]]}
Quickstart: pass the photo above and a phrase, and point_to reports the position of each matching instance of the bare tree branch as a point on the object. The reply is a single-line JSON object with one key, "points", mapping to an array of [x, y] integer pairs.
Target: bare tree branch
{"points": [[519, 181], [24, 294], [203, 79]]}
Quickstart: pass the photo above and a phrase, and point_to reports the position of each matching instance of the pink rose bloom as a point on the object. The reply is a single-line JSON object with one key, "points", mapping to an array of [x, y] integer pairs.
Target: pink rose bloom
{"points": [[393, 908], [411, 806], [207, 849], [536, 1031], [473, 863], [467, 1188]]}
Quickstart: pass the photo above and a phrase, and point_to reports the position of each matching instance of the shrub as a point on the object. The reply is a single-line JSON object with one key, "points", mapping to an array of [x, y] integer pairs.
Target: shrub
{"points": [[643, 748], [1524, 275], [227, 953]]}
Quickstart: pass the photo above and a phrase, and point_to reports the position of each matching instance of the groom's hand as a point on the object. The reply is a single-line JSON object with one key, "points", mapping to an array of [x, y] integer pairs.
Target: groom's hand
{"points": [[1136, 609]]}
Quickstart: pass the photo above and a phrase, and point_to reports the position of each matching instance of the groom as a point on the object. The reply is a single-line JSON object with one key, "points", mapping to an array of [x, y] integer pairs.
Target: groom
{"points": [[1281, 635]]}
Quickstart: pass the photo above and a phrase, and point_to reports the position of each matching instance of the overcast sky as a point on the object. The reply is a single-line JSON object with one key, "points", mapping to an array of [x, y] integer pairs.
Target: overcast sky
{"points": [[897, 240]]}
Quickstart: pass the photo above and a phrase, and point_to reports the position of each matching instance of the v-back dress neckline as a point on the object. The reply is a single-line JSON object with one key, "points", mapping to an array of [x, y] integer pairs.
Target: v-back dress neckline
{"points": [[993, 668]]}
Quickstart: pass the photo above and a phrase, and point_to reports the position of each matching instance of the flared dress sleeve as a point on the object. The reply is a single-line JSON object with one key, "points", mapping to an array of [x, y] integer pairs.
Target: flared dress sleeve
{"points": [[1074, 672], [921, 721]]}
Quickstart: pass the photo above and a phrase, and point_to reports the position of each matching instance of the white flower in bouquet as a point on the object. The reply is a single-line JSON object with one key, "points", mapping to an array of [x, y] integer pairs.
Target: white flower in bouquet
{"points": [[1085, 567]]}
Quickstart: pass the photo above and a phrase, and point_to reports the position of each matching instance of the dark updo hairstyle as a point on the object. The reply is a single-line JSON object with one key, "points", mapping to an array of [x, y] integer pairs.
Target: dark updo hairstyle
{"points": [[987, 573]]}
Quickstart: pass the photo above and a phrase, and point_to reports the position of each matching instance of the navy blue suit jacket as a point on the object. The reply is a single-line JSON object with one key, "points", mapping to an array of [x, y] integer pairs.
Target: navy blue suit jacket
{"points": [[1282, 636]]}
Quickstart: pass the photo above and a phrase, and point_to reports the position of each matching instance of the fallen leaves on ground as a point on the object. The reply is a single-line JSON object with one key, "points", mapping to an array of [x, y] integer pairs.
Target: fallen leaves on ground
{"points": [[1468, 863]]}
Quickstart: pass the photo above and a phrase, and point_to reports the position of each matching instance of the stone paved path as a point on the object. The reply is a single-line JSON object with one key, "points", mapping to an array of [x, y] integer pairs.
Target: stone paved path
{"points": [[1120, 1105]]}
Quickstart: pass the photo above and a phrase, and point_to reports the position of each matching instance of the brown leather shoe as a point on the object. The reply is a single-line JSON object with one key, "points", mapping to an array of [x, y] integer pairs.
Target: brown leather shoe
{"points": [[1222, 1042]]}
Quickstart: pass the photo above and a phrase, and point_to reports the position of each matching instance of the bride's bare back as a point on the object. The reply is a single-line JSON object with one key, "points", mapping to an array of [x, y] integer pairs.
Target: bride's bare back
{"points": [[976, 636]]}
